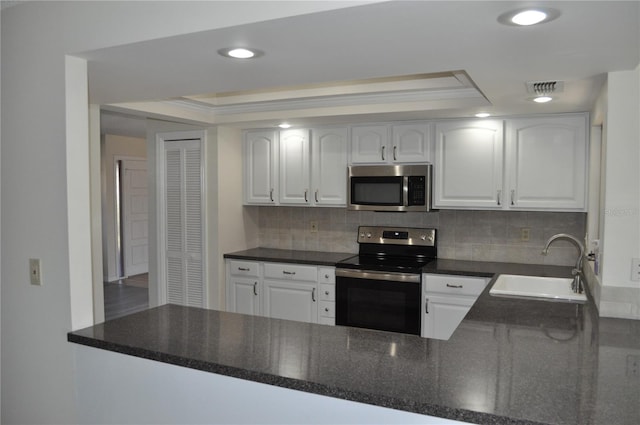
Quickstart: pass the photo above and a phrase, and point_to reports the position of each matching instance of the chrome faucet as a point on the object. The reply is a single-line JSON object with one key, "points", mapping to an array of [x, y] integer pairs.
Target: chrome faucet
{"points": [[576, 285]]}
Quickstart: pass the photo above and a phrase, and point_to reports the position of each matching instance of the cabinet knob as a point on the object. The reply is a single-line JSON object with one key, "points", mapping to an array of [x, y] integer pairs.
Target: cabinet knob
{"points": [[326, 276], [326, 292], [326, 309]]}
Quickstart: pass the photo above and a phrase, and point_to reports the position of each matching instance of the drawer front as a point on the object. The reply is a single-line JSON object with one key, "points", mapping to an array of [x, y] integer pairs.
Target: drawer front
{"points": [[290, 272], [327, 292], [327, 309], [327, 321], [244, 268], [326, 275], [456, 285]]}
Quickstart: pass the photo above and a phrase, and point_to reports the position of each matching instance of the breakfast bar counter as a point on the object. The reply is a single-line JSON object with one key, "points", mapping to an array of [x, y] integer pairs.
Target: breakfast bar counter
{"points": [[511, 361]]}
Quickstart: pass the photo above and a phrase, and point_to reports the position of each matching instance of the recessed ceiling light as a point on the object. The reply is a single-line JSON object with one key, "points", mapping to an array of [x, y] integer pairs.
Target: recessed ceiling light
{"points": [[239, 53], [542, 99], [483, 114], [527, 17], [284, 125]]}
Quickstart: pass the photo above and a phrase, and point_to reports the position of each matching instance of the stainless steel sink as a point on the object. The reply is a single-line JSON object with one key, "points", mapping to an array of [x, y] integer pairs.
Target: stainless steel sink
{"points": [[546, 288]]}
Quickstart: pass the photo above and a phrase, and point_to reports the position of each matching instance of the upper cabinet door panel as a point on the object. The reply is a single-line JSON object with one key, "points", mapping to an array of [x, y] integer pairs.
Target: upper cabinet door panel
{"points": [[294, 167], [411, 143], [329, 166], [260, 167], [468, 164], [369, 144], [547, 162]]}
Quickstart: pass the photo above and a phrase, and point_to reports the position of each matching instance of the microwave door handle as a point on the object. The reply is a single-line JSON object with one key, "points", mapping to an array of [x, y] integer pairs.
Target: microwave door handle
{"points": [[405, 191]]}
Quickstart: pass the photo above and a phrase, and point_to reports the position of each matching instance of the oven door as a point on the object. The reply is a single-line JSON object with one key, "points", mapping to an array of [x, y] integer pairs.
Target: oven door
{"points": [[378, 300]]}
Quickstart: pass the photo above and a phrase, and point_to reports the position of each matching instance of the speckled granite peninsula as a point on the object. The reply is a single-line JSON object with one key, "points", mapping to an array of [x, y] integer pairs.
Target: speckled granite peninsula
{"points": [[511, 361]]}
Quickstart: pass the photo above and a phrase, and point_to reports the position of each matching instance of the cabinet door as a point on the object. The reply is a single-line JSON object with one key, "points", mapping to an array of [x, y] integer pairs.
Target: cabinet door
{"points": [[369, 144], [547, 159], [468, 164], [243, 295], [329, 166], [411, 143], [260, 167], [295, 174], [442, 315], [290, 300]]}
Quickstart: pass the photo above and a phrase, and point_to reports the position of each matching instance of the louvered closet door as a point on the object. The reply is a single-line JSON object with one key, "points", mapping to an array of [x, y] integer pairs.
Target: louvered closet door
{"points": [[184, 223]]}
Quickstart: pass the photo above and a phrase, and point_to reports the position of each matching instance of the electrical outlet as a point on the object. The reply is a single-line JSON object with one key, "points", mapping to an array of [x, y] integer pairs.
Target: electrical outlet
{"points": [[524, 234], [34, 271], [635, 269], [313, 226]]}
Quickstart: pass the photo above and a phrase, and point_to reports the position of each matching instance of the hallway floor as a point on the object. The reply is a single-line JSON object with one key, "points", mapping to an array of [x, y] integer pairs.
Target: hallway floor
{"points": [[126, 296]]}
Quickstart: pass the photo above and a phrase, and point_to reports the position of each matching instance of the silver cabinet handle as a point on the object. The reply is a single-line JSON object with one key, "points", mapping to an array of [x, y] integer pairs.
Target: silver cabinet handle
{"points": [[453, 286], [498, 197], [395, 149], [243, 269], [513, 193], [383, 152], [271, 195], [255, 288], [313, 295], [426, 306], [289, 273], [305, 195], [316, 195]]}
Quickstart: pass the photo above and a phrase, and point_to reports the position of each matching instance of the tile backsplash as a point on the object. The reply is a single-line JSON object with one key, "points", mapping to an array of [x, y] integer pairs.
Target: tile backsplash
{"points": [[462, 235]]}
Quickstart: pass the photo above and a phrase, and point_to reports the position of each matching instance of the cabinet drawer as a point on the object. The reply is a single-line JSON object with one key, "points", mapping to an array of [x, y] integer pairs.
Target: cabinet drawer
{"points": [[327, 321], [458, 285], [326, 275], [290, 272], [327, 292], [327, 308], [244, 268]]}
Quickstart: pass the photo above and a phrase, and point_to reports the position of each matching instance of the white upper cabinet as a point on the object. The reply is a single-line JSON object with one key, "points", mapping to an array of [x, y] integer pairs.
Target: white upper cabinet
{"points": [[468, 164], [261, 167], [295, 174], [329, 166], [547, 162], [411, 143], [385, 144]]}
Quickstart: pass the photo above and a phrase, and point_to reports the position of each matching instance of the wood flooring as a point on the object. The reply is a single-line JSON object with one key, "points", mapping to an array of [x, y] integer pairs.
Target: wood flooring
{"points": [[126, 296]]}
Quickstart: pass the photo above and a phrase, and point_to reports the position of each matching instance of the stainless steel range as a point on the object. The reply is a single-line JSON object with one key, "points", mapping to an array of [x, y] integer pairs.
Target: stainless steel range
{"points": [[380, 288]]}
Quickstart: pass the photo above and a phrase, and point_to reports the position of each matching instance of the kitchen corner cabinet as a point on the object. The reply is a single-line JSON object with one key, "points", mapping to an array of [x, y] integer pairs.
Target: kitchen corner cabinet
{"points": [[446, 301], [547, 162], [468, 164], [391, 144], [261, 167]]}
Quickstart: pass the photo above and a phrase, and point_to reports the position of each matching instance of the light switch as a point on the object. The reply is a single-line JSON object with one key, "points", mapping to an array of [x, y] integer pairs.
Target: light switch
{"points": [[34, 271]]}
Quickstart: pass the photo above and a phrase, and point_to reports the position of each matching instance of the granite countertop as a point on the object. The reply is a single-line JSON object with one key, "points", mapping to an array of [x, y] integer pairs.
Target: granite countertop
{"points": [[511, 361], [319, 258]]}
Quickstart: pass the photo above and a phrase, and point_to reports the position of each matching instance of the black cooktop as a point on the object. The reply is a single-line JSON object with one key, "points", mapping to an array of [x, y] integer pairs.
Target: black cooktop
{"points": [[385, 263]]}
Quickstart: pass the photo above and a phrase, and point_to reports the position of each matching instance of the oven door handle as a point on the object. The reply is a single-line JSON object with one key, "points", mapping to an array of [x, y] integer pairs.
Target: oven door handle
{"points": [[377, 275]]}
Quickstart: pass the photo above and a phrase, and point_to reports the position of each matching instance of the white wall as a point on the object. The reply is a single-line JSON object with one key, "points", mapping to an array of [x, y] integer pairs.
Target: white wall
{"points": [[38, 383], [114, 147], [165, 393]]}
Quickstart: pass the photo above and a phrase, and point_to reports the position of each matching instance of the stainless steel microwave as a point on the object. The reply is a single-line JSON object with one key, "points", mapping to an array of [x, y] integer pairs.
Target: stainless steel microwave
{"points": [[389, 187]]}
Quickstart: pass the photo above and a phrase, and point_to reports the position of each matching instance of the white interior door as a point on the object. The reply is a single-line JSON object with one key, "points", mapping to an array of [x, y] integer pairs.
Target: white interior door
{"points": [[135, 200], [183, 274]]}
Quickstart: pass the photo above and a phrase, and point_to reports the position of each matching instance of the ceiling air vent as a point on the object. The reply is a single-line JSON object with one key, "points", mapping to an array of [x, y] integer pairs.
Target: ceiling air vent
{"points": [[540, 88]]}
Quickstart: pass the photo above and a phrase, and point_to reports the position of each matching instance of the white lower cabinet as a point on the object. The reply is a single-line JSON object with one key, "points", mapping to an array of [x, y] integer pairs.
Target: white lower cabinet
{"points": [[446, 301], [281, 290], [243, 287]]}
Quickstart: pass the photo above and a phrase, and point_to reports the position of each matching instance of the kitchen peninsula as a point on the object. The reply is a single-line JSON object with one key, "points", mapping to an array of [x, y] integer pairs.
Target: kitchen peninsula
{"points": [[511, 361]]}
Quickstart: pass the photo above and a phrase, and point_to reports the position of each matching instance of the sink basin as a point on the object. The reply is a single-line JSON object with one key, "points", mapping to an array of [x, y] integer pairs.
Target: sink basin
{"points": [[547, 288]]}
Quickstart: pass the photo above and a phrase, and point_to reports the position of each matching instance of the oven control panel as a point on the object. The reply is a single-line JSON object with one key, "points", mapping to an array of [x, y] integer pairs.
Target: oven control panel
{"points": [[397, 235]]}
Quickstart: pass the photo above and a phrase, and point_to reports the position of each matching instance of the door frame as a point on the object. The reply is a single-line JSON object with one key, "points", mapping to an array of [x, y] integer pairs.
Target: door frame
{"points": [[160, 139]]}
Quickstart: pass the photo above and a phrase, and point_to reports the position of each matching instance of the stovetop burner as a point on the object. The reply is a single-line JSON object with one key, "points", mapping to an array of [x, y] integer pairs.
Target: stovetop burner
{"points": [[393, 249]]}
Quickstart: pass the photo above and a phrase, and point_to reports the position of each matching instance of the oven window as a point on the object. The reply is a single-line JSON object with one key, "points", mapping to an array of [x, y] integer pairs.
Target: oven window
{"points": [[377, 190], [387, 306]]}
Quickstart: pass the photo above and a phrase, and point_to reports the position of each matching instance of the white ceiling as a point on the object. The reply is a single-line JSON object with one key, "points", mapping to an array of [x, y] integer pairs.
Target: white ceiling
{"points": [[385, 39]]}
